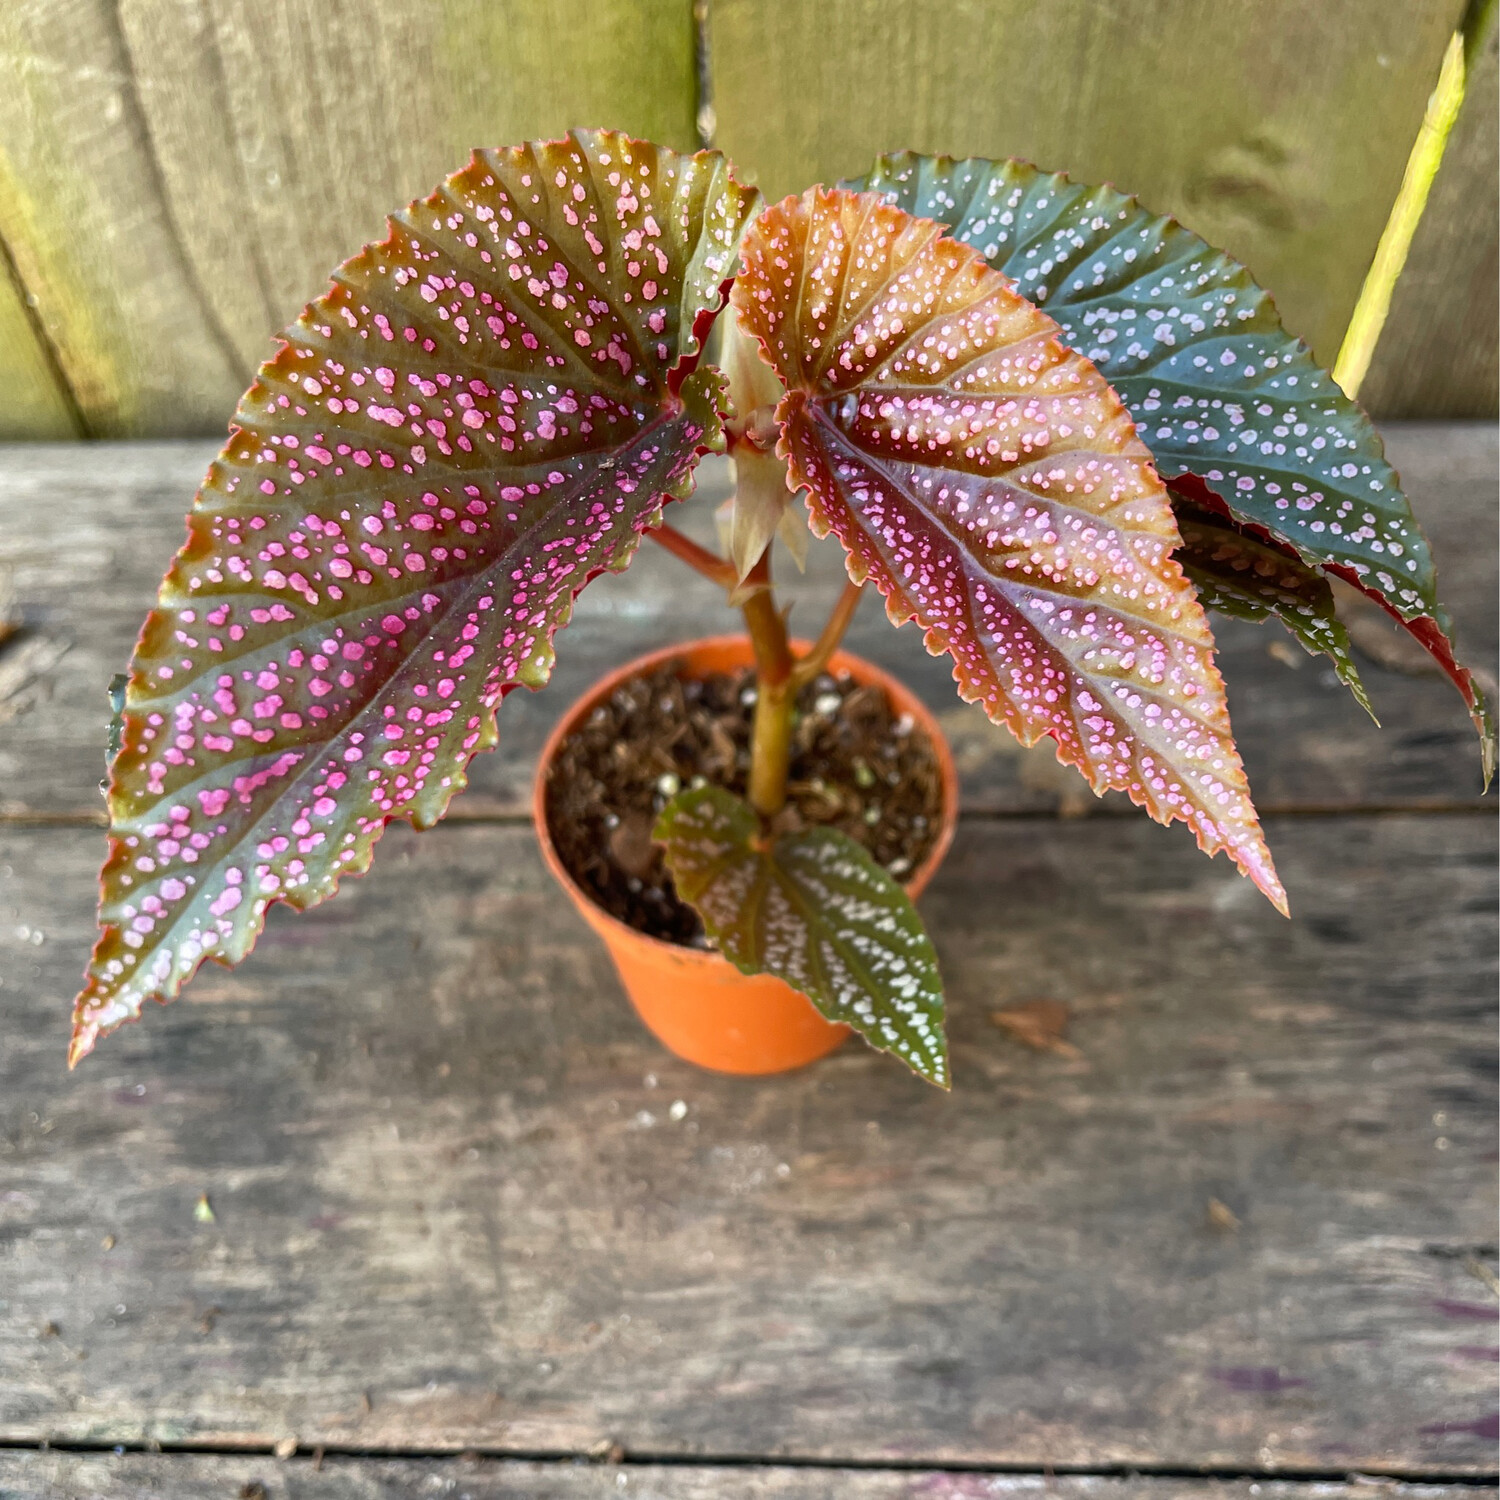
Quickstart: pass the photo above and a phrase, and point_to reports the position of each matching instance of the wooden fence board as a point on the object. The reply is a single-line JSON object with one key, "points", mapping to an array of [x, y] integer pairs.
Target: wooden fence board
{"points": [[87, 533], [91, 238], [33, 401], [1274, 128], [177, 177], [1439, 353], [452, 1206], [183, 1476], [288, 132]]}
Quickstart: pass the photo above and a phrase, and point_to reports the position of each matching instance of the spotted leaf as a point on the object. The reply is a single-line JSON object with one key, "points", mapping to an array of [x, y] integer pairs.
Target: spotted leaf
{"points": [[1251, 578], [992, 486], [483, 411], [1217, 387], [815, 910]]}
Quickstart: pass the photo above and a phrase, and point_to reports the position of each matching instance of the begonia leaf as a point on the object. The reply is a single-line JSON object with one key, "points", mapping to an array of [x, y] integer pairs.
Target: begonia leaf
{"points": [[991, 484], [1251, 578], [815, 910], [483, 411], [1217, 387]]}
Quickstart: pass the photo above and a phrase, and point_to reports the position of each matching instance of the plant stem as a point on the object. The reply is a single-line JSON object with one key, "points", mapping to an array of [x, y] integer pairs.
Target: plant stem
{"points": [[775, 693], [779, 676], [827, 643], [700, 559]]}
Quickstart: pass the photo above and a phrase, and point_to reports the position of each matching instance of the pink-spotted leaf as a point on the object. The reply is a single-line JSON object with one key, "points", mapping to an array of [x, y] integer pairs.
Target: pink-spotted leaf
{"points": [[1251, 578], [1217, 387], [991, 484], [484, 411], [815, 910]]}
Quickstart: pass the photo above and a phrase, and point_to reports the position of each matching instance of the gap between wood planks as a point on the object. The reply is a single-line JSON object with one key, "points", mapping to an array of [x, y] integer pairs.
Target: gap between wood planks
{"points": [[643, 1458]]}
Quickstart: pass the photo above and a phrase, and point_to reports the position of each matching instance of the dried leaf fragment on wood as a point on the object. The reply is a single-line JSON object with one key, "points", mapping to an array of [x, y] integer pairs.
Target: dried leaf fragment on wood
{"points": [[1039, 1024], [1221, 1217]]}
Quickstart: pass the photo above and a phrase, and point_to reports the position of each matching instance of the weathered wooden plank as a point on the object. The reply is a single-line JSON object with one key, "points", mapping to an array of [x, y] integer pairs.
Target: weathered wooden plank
{"points": [[452, 1206], [91, 238], [286, 133], [181, 1476], [1439, 354], [86, 535], [33, 401], [1276, 129], [177, 179]]}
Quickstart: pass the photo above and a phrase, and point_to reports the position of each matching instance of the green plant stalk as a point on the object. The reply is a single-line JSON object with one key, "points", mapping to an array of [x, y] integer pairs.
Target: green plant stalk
{"points": [[779, 676], [1368, 319], [775, 694]]}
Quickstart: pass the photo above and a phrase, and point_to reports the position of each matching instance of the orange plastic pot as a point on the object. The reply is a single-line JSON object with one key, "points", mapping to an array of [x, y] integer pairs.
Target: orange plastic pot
{"points": [[695, 1002]]}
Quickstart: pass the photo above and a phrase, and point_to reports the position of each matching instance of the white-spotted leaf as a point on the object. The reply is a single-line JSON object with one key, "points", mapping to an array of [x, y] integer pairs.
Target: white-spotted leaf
{"points": [[1217, 387], [815, 910], [484, 411], [991, 484]]}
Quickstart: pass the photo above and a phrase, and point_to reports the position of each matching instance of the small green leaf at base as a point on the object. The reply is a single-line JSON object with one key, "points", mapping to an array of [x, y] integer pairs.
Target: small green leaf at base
{"points": [[1249, 579], [816, 911]]}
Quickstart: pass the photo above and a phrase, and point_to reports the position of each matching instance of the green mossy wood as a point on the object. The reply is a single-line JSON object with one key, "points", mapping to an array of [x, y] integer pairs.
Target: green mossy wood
{"points": [[1218, 388], [815, 910], [482, 413]]}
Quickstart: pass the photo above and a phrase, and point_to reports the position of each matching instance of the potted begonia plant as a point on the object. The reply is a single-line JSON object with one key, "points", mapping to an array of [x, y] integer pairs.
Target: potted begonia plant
{"points": [[1049, 426]]}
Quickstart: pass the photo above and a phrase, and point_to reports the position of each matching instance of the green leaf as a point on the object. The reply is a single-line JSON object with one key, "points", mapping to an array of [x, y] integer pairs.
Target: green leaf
{"points": [[1251, 579], [992, 486], [815, 910], [1216, 385], [483, 412]]}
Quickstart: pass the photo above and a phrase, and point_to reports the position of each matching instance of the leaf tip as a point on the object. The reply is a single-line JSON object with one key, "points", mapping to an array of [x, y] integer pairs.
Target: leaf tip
{"points": [[1483, 715], [81, 1043], [1263, 873]]}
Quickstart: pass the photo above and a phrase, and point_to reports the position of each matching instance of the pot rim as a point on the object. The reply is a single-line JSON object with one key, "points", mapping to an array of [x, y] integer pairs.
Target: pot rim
{"points": [[901, 696]]}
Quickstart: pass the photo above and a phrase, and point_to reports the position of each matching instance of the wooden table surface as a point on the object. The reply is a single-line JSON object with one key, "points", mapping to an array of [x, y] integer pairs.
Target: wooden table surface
{"points": [[464, 1243]]}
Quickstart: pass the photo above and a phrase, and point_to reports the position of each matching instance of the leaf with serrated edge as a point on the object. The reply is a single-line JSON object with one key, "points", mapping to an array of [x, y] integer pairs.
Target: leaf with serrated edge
{"points": [[1197, 352], [815, 910], [484, 411], [991, 484], [1251, 579]]}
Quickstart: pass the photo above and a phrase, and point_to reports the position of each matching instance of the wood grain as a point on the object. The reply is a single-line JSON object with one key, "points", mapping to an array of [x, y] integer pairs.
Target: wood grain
{"points": [[87, 533], [90, 235], [177, 177], [181, 1476], [1276, 129], [451, 1207], [34, 401], [1439, 353]]}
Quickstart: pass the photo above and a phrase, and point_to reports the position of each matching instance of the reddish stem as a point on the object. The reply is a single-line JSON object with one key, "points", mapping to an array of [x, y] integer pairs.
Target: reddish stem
{"points": [[700, 559]]}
